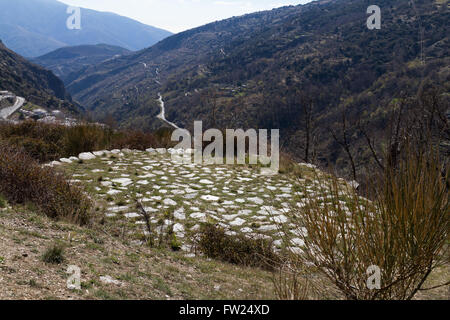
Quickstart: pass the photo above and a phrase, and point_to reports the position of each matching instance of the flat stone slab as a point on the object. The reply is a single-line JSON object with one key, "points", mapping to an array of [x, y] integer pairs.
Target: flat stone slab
{"points": [[109, 280], [86, 156], [184, 195]]}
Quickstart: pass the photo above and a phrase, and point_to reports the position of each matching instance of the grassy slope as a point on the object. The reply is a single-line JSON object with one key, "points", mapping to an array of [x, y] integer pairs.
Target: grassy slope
{"points": [[144, 273]]}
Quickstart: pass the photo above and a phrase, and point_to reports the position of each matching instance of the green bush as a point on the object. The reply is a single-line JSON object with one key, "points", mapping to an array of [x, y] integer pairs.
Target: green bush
{"points": [[175, 244], [54, 254], [239, 249]]}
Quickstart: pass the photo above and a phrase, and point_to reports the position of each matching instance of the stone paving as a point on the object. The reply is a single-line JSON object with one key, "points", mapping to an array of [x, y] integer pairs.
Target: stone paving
{"points": [[240, 198]]}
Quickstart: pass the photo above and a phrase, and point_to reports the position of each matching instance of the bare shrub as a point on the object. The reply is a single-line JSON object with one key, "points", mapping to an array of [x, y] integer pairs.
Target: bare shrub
{"points": [[164, 137], [403, 230], [84, 138], [40, 141], [46, 142], [23, 180], [134, 140], [2, 202], [291, 284]]}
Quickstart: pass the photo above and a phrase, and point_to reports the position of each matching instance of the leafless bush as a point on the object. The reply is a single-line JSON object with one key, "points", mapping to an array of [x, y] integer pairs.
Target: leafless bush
{"points": [[403, 230], [292, 284], [23, 180]]}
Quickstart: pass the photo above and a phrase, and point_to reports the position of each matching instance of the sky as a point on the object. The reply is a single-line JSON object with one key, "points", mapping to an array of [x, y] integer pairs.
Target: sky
{"points": [[180, 15]]}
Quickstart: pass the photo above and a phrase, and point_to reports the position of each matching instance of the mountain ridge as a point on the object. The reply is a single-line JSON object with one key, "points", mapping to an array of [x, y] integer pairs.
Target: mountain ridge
{"points": [[64, 61], [31, 35], [36, 84]]}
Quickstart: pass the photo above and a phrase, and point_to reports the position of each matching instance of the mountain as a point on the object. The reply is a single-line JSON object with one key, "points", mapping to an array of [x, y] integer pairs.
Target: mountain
{"points": [[66, 60], [34, 83], [35, 27], [257, 70]]}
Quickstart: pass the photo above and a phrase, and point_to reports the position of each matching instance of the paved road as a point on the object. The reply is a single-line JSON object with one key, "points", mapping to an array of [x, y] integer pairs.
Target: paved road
{"points": [[6, 97], [6, 112], [162, 115]]}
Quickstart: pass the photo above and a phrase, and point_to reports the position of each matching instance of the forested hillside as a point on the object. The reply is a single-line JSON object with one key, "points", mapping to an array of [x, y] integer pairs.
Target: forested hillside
{"points": [[36, 84]]}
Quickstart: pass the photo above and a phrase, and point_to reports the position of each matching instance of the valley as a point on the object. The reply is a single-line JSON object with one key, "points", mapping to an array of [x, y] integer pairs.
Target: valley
{"points": [[260, 70]]}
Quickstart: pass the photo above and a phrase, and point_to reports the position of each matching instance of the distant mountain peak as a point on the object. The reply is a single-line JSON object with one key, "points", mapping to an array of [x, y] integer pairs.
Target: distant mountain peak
{"points": [[34, 28]]}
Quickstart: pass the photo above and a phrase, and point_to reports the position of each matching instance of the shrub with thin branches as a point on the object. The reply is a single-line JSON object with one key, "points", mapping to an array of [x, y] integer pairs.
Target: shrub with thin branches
{"points": [[292, 284], [23, 180], [403, 230], [45, 142]]}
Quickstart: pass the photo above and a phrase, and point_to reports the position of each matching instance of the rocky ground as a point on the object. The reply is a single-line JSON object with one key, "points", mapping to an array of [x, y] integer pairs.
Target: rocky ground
{"points": [[181, 196]]}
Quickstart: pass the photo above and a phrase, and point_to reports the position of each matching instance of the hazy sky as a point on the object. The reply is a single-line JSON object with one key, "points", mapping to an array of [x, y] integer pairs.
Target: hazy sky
{"points": [[180, 15]]}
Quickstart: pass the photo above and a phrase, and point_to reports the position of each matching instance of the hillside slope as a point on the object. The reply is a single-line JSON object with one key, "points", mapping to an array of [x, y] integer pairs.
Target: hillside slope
{"points": [[257, 69], [66, 60], [114, 261], [135, 272], [34, 83], [35, 27]]}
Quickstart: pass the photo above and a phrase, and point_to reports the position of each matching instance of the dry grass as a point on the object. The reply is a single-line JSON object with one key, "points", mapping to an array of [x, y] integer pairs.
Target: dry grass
{"points": [[144, 272]]}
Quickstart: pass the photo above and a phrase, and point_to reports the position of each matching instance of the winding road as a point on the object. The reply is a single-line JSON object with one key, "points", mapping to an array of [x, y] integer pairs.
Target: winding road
{"points": [[6, 112], [162, 115]]}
